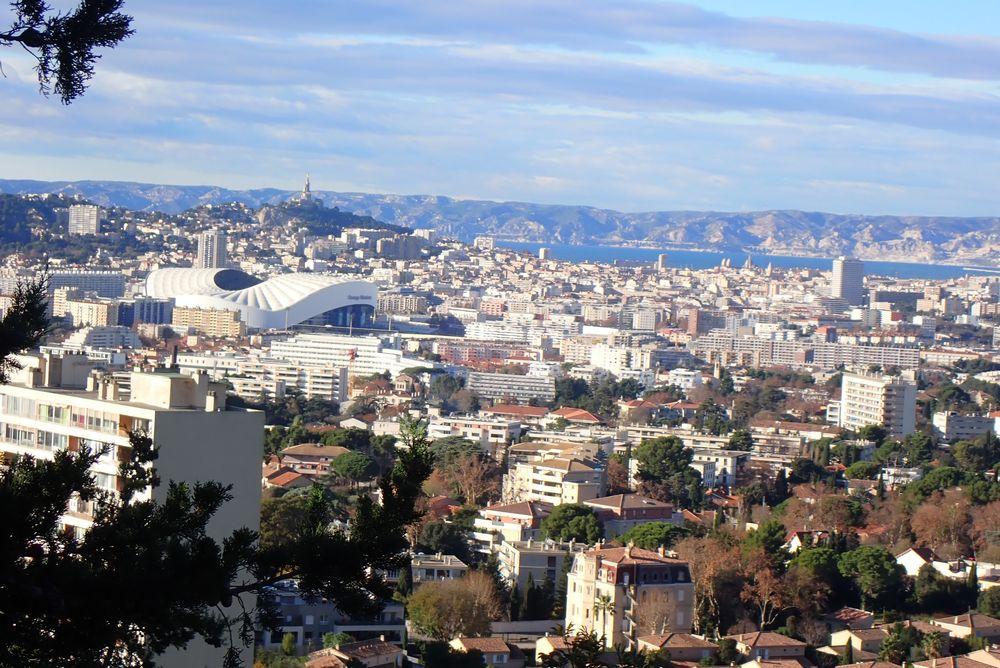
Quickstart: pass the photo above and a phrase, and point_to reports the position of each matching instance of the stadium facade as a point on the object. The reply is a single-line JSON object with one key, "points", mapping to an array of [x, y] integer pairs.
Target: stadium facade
{"points": [[276, 303]]}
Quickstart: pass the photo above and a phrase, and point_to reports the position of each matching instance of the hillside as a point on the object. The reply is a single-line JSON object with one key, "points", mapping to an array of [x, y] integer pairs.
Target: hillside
{"points": [[905, 238]]}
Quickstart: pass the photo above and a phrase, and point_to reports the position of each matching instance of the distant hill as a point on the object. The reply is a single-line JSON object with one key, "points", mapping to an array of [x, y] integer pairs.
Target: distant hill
{"points": [[788, 232]]}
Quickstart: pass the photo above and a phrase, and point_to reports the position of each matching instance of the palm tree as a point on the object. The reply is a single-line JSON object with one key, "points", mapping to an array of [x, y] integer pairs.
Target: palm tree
{"points": [[604, 605]]}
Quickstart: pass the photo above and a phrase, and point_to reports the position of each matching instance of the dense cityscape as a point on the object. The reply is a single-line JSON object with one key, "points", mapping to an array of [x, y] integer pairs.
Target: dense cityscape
{"points": [[546, 334], [638, 463]]}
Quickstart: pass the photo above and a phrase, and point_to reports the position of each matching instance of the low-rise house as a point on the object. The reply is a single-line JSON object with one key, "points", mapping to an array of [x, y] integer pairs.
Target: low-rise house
{"points": [[861, 641], [989, 656], [436, 567], [496, 652], [573, 416], [311, 459], [970, 625], [682, 646], [849, 618], [962, 661], [548, 644], [286, 478], [768, 645], [796, 540], [797, 662], [367, 653]]}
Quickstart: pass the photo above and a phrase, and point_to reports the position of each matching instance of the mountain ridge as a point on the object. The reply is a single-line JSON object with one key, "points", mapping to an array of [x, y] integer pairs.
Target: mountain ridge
{"points": [[777, 231]]}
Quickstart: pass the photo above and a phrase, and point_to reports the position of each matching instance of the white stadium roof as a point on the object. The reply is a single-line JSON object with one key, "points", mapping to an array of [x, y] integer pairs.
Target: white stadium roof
{"points": [[278, 302]]}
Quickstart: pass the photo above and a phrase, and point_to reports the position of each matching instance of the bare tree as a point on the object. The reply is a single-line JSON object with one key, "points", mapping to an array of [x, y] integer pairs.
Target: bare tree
{"points": [[654, 612], [474, 477]]}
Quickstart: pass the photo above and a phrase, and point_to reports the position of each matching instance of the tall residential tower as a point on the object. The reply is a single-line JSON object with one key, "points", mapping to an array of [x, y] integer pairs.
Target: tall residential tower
{"points": [[848, 281]]}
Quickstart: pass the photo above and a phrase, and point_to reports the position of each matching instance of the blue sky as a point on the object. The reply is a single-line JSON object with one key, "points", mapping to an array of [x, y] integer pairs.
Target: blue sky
{"points": [[861, 107]]}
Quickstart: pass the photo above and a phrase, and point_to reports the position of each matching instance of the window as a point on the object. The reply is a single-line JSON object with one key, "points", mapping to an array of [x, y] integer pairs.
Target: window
{"points": [[309, 620]]}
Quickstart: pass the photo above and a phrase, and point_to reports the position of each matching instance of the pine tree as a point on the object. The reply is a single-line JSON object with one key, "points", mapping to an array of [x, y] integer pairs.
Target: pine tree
{"points": [[562, 587], [515, 603], [404, 587]]}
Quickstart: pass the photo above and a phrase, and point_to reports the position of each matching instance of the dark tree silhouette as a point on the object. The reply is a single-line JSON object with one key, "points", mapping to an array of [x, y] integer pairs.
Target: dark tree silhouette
{"points": [[64, 43]]}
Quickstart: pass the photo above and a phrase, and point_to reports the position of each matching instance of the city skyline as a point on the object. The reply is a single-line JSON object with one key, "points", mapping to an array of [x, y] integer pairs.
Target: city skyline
{"points": [[654, 106]]}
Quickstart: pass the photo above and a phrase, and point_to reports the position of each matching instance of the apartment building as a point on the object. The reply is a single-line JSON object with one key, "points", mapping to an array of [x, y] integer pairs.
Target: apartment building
{"points": [[91, 312], [613, 591], [404, 304], [436, 567], [539, 560], [511, 388], [507, 522], [84, 219], [55, 403], [309, 620], [621, 512], [364, 355], [952, 426], [489, 433], [556, 481], [214, 322], [888, 401]]}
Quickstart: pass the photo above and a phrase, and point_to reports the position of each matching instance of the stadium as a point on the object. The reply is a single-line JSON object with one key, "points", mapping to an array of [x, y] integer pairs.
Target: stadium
{"points": [[276, 303]]}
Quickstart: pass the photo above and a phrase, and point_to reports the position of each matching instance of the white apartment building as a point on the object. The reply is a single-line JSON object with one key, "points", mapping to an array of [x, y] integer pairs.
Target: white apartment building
{"points": [[556, 481], [489, 433], [212, 251], [952, 426], [511, 387], [615, 591], [848, 280], [889, 401], [254, 376], [363, 355], [103, 337], [84, 219], [686, 379], [58, 403], [502, 330], [436, 567]]}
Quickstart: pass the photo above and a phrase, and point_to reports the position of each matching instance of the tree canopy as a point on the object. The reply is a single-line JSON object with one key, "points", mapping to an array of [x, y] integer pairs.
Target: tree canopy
{"points": [[572, 521], [64, 43]]}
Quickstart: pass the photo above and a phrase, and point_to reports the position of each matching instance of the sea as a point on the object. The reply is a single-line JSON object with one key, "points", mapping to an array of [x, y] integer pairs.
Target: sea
{"points": [[705, 259]]}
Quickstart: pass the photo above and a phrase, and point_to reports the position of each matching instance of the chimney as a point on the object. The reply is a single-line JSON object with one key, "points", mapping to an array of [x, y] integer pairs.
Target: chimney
{"points": [[173, 357], [382, 637]]}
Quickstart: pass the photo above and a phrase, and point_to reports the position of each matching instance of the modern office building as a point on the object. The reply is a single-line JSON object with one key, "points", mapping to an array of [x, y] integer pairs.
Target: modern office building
{"points": [[848, 280], [887, 401], [212, 252], [611, 590], [55, 403], [84, 219]]}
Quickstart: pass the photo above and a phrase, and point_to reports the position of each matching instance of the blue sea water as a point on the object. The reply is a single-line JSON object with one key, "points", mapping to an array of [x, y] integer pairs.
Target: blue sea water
{"points": [[706, 259]]}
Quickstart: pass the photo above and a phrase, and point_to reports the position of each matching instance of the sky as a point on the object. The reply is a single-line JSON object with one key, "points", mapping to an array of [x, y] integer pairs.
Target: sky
{"points": [[888, 107]]}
